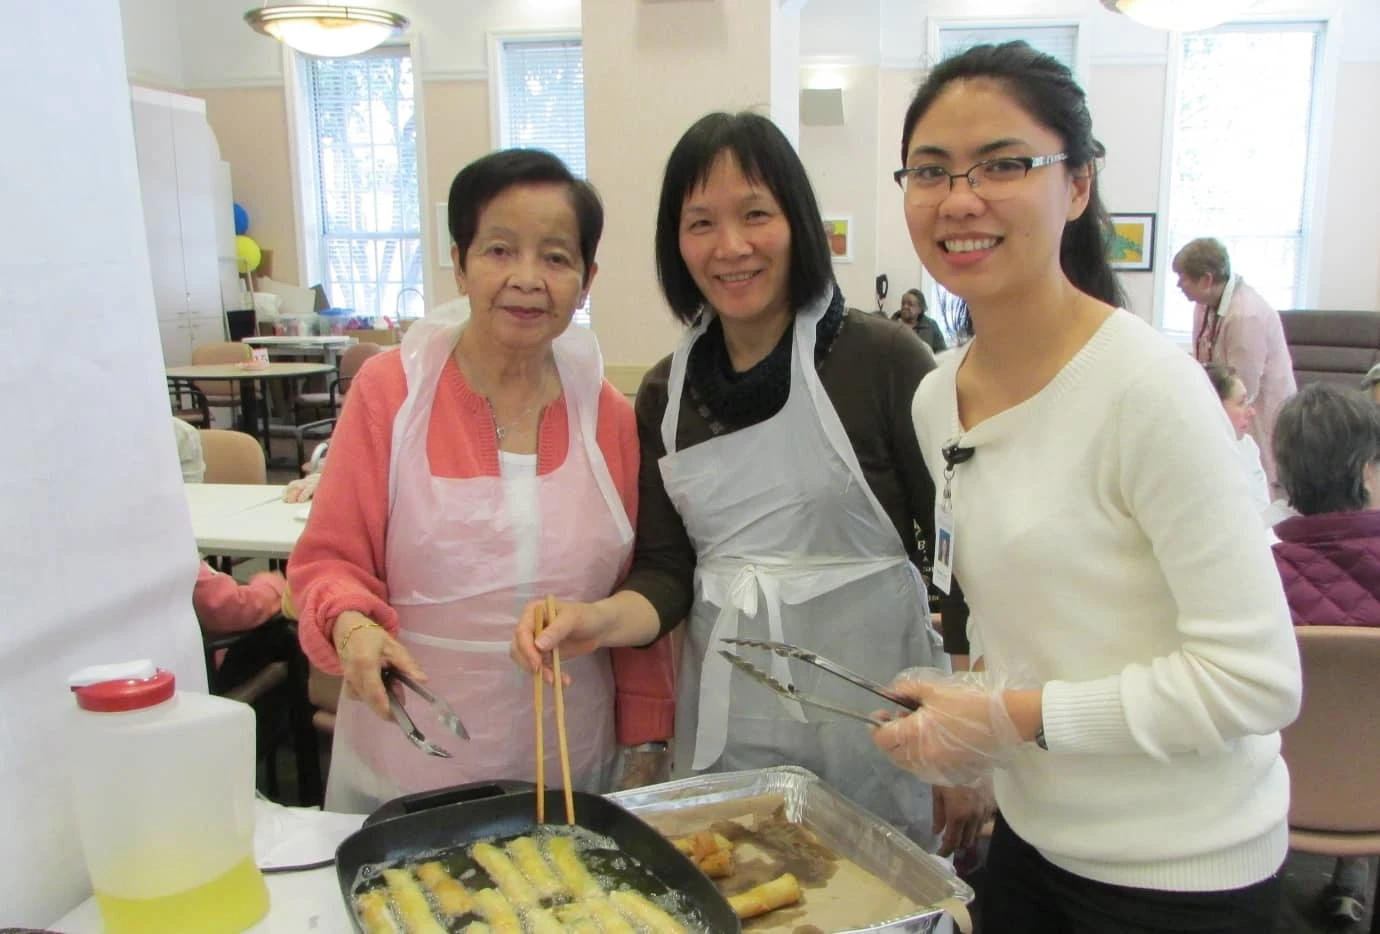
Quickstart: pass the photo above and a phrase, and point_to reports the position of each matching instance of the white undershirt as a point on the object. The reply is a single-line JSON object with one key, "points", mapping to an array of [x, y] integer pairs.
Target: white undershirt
{"points": [[520, 491]]}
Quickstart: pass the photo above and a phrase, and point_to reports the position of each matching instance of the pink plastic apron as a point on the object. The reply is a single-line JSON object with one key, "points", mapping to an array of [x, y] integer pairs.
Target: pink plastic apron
{"points": [[458, 577]]}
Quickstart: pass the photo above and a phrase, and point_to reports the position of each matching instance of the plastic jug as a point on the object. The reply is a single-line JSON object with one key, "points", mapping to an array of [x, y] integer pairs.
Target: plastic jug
{"points": [[163, 788]]}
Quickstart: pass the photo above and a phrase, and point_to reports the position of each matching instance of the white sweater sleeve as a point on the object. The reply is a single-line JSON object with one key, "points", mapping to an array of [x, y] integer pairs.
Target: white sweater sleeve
{"points": [[1236, 671]]}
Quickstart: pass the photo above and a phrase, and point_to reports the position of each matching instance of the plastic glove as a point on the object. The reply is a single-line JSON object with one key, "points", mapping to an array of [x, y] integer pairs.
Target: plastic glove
{"points": [[961, 731]]}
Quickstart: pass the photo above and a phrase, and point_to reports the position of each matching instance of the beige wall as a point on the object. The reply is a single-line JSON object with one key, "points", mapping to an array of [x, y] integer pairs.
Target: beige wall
{"points": [[840, 160], [251, 126], [456, 121], [1350, 238]]}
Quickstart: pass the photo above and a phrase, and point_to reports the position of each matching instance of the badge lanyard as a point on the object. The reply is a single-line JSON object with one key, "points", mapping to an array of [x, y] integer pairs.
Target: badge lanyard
{"points": [[944, 543]]}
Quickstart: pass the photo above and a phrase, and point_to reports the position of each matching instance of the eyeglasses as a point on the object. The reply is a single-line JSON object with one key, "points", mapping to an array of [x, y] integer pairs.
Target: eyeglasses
{"points": [[991, 180]]}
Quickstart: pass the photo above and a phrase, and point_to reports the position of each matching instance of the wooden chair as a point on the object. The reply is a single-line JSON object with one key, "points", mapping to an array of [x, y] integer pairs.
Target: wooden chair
{"points": [[264, 668], [221, 393], [1333, 748], [232, 457], [332, 399], [188, 402]]}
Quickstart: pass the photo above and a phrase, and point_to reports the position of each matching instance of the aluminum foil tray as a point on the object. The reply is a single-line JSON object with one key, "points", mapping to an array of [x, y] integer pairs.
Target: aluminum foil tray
{"points": [[850, 831]]}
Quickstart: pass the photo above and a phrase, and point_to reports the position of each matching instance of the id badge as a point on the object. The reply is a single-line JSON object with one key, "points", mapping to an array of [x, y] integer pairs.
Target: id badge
{"points": [[942, 568]]}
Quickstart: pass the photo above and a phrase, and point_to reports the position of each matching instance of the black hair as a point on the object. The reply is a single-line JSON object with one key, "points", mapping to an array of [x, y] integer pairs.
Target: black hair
{"points": [[1222, 377], [1046, 90], [765, 157], [1325, 438], [489, 176]]}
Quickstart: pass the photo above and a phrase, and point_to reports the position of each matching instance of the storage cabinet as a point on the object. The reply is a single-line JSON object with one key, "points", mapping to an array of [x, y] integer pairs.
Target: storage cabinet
{"points": [[186, 209]]}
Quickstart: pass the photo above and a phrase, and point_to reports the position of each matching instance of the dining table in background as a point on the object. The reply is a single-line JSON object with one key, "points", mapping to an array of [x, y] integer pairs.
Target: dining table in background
{"points": [[244, 520], [255, 419], [327, 346]]}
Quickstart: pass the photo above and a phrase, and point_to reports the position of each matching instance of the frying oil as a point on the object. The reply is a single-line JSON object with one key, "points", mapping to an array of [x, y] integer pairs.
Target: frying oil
{"points": [[228, 904]]}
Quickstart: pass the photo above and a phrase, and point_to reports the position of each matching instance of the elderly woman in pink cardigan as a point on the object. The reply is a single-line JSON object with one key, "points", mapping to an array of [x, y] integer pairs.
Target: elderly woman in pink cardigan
{"points": [[1233, 325]]}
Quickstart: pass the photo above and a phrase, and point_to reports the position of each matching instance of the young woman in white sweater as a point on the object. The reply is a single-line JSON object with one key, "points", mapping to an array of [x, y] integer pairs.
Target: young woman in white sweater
{"points": [[1136, 653]]}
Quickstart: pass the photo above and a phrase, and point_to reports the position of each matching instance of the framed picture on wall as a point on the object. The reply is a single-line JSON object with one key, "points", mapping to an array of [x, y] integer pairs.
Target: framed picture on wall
{"points": [[838, 229], [1132, 245]]}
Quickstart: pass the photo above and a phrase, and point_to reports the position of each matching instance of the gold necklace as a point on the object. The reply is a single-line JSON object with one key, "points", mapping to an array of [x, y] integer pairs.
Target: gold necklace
{"points": [[501, 431]]}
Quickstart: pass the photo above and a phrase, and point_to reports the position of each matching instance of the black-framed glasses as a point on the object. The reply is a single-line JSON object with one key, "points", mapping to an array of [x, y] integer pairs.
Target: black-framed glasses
{"points": [[991, 179]]}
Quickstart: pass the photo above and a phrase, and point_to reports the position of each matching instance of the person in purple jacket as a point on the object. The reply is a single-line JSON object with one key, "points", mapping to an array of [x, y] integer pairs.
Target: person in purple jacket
{"points": [[1327, 448]]}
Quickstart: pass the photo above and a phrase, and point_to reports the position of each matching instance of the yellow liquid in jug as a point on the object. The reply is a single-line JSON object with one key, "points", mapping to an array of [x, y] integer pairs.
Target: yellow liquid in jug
{"points": [[227, 904]]}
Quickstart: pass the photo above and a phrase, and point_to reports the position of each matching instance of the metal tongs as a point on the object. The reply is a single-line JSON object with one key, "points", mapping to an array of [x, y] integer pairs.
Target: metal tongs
{"points": [[444, 712], [786, 650]]}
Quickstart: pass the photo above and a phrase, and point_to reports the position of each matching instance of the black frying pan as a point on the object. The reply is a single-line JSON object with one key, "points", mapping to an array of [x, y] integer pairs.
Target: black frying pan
{"points": [[455, 817]]}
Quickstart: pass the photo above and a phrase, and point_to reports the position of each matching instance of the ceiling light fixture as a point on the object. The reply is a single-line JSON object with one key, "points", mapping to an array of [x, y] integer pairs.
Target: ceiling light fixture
{"points": [[326, 31], [1180, 15]]}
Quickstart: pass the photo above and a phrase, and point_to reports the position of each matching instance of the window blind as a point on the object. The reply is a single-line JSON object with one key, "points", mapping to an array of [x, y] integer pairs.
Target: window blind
{"points": [[1061, 42], [543, 104], [364, 123], [544, 98]]}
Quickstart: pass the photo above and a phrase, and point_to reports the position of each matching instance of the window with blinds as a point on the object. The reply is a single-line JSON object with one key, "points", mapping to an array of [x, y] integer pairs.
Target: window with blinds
{"points": [[541, 102], [364, 139], [1061, 41]]}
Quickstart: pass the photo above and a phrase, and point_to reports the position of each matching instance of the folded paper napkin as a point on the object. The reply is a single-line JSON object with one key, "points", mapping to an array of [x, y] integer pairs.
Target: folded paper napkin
{"points": [[285, 836]]}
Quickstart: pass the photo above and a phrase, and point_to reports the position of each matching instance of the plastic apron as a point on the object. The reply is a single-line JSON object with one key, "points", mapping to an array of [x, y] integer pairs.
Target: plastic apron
{"points": [[456, 577], [793, 546]]}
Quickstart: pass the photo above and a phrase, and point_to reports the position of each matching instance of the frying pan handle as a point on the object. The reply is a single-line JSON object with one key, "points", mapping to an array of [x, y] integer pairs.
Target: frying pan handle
{"points": [[427, 800]]}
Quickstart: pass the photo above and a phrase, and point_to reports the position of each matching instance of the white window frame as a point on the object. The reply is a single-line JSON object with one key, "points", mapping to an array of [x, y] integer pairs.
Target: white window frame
{"points": [[306, 204], [1327, 64]]}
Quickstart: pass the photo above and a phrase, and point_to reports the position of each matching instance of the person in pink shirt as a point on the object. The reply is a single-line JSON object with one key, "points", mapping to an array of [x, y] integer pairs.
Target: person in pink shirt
{"points": [[224, 606], [1233, 325], [485, 464]]}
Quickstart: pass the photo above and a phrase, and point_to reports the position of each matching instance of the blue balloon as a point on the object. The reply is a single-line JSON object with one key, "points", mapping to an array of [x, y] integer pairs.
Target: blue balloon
{"points": [[241, 221]]}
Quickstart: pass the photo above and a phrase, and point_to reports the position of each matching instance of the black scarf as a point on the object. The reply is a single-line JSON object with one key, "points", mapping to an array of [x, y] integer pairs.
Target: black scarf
{"points": [[730, 400]]}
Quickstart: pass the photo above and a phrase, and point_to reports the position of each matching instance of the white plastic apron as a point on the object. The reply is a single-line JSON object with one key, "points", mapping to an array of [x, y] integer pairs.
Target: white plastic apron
{"points": [[793, 546], [457, 579]]}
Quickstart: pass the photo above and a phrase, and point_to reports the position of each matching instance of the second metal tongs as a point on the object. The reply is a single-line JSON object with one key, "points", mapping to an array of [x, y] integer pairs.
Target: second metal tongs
{"points": [[444, 712], [786, 650]]}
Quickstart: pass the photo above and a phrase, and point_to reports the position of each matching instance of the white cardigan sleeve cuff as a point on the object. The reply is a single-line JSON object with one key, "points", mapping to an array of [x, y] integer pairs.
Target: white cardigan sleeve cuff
{"points": [[1087, 717]]}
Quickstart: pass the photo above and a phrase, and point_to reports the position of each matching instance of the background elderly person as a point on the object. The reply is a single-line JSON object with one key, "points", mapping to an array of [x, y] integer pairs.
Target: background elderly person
{"points": [[913, 316], [1327, 447], [485, 464], [1241, 413], [1235, 326]]}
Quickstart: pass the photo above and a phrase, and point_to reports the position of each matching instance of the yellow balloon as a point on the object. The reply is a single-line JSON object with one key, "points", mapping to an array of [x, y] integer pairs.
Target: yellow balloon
{"points": [[249, 253]]}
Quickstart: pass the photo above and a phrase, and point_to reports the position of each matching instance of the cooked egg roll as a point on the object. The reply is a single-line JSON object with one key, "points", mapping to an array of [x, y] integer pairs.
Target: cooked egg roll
{"points": [[451, 895], [526, 855], [411, 903], [509, 879], [374, 913], [498, 911], [570, 868], [687, 844], [477, 927], [646, 913], [542, 921], [575, 916], [717, 865], [607, 916], [778, 893]]}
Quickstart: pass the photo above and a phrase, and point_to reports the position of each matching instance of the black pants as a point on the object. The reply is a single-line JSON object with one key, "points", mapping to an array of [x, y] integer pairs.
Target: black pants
{"points": [[1027, 894]]}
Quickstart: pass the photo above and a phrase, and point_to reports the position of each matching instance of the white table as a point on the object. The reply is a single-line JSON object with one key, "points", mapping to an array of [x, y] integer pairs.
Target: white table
{"points": [[327, 345], [246, 521]]}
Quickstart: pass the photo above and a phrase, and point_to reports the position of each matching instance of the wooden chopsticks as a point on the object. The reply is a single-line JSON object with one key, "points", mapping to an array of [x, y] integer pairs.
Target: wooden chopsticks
{"points": [[542, 621]]}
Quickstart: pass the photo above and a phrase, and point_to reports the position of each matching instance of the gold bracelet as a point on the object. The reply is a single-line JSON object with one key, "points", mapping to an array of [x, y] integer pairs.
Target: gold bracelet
{"points": [[340, 651]]}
